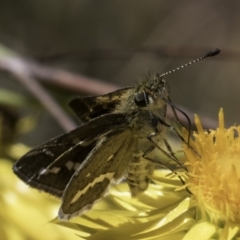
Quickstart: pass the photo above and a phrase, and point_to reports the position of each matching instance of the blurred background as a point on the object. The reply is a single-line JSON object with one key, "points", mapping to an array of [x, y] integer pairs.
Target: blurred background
{"points": [[51, 51], [119, 42]]}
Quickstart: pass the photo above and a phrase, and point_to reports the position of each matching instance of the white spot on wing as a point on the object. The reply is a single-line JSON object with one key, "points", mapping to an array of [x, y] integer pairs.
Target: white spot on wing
{"points": [[69, 165], [45, 171], [49, 153], [96, 180], [55, 170], [86, 142]]}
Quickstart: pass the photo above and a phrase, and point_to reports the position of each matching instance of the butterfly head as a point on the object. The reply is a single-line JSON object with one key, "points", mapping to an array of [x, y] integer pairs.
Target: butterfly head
{"points": [[152, 93]]}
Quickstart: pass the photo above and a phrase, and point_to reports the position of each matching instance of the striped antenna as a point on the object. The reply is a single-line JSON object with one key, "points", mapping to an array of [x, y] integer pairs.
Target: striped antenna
{"points": [[210, 54]]}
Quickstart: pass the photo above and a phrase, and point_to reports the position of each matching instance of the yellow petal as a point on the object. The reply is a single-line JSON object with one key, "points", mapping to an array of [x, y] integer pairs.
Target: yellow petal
{"points": [[201, 231]]}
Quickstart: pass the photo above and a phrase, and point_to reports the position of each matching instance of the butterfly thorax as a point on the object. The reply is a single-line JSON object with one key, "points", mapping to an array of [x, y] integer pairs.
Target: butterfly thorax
{"points": [[145, 107]]}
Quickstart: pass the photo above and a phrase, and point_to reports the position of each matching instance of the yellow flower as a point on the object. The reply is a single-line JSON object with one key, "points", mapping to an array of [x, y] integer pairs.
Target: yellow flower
{"points": [[213, 164]]}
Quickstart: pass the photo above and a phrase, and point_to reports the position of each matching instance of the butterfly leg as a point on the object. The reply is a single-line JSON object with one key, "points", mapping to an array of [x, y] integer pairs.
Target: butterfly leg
{"points": [[150, 149], [170, 154], [146, 156], [173, 129]]}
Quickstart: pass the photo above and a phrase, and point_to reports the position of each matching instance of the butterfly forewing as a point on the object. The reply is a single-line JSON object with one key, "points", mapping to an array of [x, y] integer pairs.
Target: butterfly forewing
{"points": [[106, 163], [50, 166], [87, 108]]}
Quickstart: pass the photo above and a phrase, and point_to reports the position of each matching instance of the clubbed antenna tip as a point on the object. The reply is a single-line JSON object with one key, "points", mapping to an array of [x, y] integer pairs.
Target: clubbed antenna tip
{"points": [[213, 52]]}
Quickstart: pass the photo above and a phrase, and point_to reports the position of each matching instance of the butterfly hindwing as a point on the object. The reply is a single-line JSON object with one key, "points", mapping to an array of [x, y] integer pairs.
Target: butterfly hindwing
{"points": [[106, 164], [50, 166]]}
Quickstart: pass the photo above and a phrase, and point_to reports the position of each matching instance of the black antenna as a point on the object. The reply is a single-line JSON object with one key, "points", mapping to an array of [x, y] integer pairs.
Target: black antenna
{"points": [[210, 54]]}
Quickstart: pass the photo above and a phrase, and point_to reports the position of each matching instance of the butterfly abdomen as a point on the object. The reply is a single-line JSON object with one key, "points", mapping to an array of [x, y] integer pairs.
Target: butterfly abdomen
{"points": [[138, 175]]}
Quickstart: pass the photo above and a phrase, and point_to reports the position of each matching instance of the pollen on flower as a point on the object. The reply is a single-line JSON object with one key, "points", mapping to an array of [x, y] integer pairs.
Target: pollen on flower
{"points": [[213, 164]]}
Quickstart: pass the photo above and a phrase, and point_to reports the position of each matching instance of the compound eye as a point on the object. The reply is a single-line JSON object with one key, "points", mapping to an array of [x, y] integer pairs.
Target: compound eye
{"points": [[141, 99]]}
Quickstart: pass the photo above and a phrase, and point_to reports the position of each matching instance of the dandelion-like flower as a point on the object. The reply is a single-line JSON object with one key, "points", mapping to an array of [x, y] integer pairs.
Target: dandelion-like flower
{"points": [[213, 163]]}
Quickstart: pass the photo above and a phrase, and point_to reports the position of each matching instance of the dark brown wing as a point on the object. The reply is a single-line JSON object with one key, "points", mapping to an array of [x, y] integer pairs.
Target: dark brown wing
{"points": [[87, 108], [106, 163], [50, 166]]}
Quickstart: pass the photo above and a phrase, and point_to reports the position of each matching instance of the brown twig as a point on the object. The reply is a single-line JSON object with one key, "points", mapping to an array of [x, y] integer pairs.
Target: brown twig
{"points": [[23, 73], [67, 80]]}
